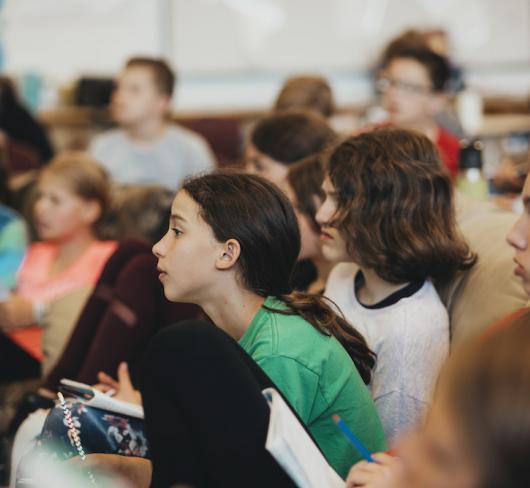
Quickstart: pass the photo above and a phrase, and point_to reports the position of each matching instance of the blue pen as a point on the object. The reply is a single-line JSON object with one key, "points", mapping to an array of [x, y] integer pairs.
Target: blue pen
{"points": [[365, 453]]}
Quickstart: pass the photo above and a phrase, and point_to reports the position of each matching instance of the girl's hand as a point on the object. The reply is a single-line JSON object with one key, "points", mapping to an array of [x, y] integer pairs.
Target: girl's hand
{"points": [[16, 312], [123, 386], [386, 472]]}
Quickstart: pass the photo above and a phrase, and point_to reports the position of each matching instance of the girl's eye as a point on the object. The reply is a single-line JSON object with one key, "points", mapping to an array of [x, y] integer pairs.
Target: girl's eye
{"points": [[177, 231]]}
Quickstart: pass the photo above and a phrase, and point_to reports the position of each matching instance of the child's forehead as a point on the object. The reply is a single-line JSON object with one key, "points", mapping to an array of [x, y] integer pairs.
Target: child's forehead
{"points": [[184, 206], [410, 68], [137, 74]]}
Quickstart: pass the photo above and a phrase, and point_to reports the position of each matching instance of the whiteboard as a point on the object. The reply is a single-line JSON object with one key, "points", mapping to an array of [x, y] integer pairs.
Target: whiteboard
{"points": [[228, 36], [63, 39]]}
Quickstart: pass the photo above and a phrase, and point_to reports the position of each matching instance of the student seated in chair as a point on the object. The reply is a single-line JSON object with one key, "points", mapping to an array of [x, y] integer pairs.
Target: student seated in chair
{"points": [[147, 148], [72, 197], [231, 246], [412, 86], [389, 220]]}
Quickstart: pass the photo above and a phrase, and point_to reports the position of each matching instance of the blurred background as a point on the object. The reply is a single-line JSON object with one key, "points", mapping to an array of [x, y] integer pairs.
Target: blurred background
{"points": [[232, 56]]}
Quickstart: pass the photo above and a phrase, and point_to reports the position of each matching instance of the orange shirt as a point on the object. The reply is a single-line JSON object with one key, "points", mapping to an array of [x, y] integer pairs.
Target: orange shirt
{"points": [[35, 284]]}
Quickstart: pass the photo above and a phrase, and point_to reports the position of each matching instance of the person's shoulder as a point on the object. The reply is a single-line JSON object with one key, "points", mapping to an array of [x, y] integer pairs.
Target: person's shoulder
{"points": [[103, 248], [428, 294], [296, 338], [38, 250], [425, 311], [447, 140], [8, 216], [106, 139], [14, 231], [110, 135], [104, 245], [186, 137], [179, 131], [42, 246]]}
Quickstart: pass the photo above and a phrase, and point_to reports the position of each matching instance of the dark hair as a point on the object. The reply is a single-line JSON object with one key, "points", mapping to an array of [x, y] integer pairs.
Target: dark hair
{"points": [[290, 136], [395, 206], [259, 216], [308, 93], [436, 65], [6, 197], [486, 386], [305, 177], [411, 38], [163, 75], [18, 123]]}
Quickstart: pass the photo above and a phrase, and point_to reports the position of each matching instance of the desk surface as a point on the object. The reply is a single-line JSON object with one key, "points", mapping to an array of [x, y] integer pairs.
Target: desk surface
{"points": [[494, 124]]}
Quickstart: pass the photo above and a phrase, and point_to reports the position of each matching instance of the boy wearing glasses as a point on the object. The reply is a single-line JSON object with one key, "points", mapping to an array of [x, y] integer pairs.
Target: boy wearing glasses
{"points": [[412, 88]]}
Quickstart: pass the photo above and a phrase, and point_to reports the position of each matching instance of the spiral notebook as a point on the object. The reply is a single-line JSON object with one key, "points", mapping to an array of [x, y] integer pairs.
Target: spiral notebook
{"points": [[293, 448], [95, 398]]}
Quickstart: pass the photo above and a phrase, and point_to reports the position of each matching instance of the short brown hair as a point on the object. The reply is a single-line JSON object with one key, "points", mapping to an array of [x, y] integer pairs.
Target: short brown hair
{"points": [[306, 92], [436, 65], [486, 386], [291, 136], [305, 177], [163, 75], [83, 176], [395, 206]]}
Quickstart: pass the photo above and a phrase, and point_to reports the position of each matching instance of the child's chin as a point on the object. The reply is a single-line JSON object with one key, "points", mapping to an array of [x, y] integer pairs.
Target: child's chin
{"points": [[172, 295]]}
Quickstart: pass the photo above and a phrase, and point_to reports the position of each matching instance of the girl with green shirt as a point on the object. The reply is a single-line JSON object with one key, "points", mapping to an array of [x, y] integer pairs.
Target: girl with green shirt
{"points": [[231, 246]]}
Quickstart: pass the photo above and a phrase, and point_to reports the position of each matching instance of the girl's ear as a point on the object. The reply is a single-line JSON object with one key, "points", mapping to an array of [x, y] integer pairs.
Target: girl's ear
{"points": [[229, 255]]}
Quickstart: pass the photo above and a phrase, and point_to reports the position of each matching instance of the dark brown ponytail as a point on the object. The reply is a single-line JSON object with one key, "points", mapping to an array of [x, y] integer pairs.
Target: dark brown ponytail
{"points": [[260, 217], [320, 312]]}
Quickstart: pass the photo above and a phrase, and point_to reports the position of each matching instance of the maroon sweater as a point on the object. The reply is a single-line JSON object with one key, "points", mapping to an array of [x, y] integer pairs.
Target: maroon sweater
{"points": [[126, 309]]}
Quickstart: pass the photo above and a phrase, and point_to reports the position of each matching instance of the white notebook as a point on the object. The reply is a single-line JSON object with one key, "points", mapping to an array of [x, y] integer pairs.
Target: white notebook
{"points": [[293, 448], [95, 398]]}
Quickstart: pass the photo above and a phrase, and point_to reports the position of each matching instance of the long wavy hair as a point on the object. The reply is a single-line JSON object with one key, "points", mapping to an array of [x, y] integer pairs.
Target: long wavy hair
{"points": [[395, 207], [305, 177], [260, 217]]}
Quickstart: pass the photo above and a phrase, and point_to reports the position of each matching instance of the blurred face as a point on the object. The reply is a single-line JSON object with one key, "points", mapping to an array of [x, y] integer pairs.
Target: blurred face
{"points": [[311, 244], [187, 254], [333, 244], [137, 98], [60, 214], [436, 457], [260, 164], [406, 92], [519, 238]]}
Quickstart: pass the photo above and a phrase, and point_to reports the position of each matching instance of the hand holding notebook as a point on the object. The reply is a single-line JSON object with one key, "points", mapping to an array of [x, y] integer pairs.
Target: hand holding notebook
{"points": [[97, 399]]}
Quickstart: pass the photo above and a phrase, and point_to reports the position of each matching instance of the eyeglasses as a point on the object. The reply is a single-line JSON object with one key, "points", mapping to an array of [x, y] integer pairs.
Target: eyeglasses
{"points": [[384, 84]]}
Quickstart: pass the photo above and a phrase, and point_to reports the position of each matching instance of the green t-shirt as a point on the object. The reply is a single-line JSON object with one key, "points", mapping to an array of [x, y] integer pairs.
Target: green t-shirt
{"points": [[318, 377]]}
